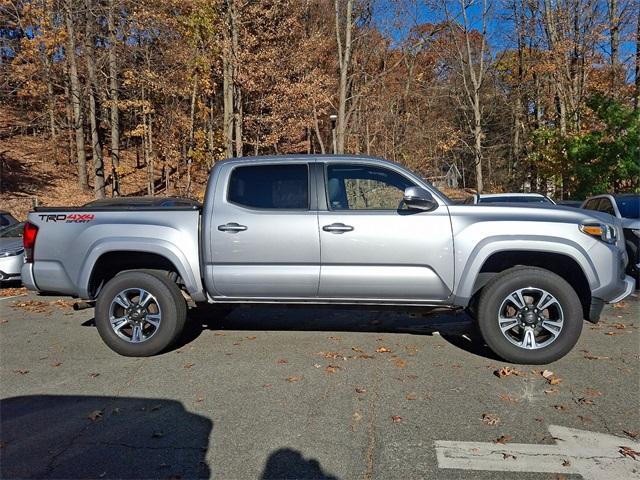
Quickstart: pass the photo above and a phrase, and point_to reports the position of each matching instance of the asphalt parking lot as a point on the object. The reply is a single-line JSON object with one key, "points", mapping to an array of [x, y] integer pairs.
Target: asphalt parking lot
{"points": [[268, 393]]}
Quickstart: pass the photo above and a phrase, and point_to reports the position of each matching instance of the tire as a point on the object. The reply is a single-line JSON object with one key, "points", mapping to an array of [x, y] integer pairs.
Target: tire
{"points": [[165, 306], [516, 344]]}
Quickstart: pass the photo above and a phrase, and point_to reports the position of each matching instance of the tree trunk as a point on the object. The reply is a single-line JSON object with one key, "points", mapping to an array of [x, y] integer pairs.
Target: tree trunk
{"points": [[78, 120], [237, 91], [92, 89], [227, 83], [114, 96], [614, 41], [344, 63]]}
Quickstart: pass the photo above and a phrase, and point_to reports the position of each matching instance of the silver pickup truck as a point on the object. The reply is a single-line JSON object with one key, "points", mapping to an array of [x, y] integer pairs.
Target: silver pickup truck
{"points": [[332, 230]]}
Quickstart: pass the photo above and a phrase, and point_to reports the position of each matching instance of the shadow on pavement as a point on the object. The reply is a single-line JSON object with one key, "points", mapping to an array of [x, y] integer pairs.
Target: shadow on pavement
{"points": [[286, 463], [50, 436], [455, 327]]}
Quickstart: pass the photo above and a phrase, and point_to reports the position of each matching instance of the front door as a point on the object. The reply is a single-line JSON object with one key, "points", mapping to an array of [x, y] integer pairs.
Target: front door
{"points": [[373, 247], [264, 238]]}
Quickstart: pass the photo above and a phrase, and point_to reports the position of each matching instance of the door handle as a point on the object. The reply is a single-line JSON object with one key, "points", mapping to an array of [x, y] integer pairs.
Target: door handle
{"points": [[232, 227], [337, 228]]}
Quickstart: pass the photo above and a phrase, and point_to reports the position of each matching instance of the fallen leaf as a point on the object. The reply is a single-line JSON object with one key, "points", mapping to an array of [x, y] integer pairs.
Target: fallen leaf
{"points": [[490, 419], [282, 361], [507, 371], [199, 399], [396, 418], [502, 439], [551, 377], [218, 334], [590, 356], [331, 355], [189, 365], [56, 364], [293, 379], [506, 455], [590, 392], [505, 397], [337, 339], [236, 343], [93, 375], [316, 365], [267, 385], [629, 452], [332, 368], [631, 433], [555, 381], [252, 337], [357, 417], [21, 371], [361, 390], [364, 356], [551, 391], [611, 334], [560, 408], [547, 374], [95, 415], [583, 401], [357, 349], [383, 350], [400, 363], [411, 396], [566, 463]]}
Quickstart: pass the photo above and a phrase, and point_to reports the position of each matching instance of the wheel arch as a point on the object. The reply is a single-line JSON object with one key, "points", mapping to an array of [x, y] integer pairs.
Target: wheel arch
{"points": [[561, 264]]}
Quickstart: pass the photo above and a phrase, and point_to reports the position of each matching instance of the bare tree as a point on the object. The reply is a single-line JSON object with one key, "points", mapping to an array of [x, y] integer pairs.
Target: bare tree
{"points": [[344, 27], [78, 119], [113, 97]]}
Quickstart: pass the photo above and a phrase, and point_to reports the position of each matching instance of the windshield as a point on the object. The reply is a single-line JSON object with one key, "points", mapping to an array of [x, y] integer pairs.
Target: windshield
{"points": [[629, 206], [14, 231], [514, 199]]}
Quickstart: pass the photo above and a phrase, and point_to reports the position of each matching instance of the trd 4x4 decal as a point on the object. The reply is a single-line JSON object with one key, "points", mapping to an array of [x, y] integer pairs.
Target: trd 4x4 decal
{"points": [[70, 218]]}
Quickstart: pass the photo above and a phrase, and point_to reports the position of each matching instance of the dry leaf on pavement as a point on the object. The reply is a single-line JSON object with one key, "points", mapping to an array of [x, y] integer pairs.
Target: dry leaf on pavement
{"points": [[411, 396], [361, 390], [396, 418], [629, 452], [383, 350], [293, 379], [490, 419], [332, 368], [507, 371], [95, 415], [502, 439]]}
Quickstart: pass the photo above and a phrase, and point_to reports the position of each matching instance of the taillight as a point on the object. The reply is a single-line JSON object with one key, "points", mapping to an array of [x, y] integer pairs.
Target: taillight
{"points": [[29, 240]]}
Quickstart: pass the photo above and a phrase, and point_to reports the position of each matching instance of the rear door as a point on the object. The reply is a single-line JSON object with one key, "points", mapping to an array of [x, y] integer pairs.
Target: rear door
{"points": [[372, 247], [265, 241]]}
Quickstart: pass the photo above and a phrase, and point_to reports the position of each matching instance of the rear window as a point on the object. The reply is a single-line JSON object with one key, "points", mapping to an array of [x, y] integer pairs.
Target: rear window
{"points": [[270, 186]]}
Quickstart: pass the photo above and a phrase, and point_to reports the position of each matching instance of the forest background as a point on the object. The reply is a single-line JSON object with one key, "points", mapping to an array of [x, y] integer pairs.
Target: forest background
{"points": [[120, 97]]}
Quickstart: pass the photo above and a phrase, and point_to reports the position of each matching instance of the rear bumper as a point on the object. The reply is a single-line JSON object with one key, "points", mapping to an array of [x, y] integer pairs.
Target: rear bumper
{"points": [[27, 276], [10, 267]]}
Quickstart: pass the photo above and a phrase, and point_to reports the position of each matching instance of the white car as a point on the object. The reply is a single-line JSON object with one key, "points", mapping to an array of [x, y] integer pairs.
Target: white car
{"points": [[11, 252], [508, 198]]}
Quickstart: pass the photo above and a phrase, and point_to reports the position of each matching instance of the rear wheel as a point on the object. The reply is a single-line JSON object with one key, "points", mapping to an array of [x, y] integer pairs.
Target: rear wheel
{"points": [[140, 313], [529, 315]]}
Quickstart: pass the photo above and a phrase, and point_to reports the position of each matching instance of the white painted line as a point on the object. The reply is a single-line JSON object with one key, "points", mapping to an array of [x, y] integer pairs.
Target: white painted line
{"points": [[593, 455]]}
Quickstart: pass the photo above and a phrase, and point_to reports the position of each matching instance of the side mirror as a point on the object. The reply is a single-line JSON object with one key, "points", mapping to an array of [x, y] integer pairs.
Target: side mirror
{"points": [[418, 198]]}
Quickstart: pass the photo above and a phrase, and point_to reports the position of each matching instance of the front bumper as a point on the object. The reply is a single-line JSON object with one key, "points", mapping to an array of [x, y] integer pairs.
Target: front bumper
{"points": [[10, 267], [627, 286]]}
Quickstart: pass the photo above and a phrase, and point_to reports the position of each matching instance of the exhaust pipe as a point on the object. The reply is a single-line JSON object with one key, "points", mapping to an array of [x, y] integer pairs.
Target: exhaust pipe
{"points": [[83, 305]]}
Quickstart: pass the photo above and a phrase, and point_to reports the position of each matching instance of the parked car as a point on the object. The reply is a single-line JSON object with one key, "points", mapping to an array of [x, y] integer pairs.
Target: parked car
{"points": [[6, 219], [570, 203], [136, 202], [626, 207], [508, 198], [11, 252], [316, 229]]}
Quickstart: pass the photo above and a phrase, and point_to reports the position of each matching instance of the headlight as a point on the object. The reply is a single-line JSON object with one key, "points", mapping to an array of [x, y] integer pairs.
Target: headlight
{"points": [[11, 253], [601, 231]]}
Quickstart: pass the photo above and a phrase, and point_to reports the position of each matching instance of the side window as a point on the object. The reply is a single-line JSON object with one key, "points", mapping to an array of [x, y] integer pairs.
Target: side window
{"points": [[606, 207], [591, 204], [364, 187], [270, 186]]}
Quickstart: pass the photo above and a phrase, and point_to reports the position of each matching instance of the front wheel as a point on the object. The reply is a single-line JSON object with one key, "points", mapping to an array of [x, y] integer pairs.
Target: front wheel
{"points": [[139, 314], [529, 315]]}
